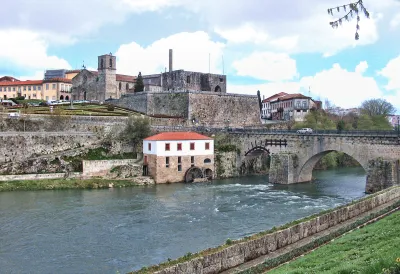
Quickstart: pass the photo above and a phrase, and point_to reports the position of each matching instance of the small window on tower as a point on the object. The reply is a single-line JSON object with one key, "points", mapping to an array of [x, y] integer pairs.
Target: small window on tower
{"points": [[188, 79]]}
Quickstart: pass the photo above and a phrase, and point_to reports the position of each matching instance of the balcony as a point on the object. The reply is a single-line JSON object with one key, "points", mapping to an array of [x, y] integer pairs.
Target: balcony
{"points": [[301, 107]]}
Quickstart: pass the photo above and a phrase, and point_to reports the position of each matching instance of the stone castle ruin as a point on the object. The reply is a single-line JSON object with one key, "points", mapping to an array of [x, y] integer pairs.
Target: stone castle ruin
{"points": [[199, 98]]}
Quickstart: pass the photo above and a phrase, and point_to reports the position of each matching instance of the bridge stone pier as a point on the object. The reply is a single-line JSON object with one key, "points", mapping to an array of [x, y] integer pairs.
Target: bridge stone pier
{"points": [[294, 156]]}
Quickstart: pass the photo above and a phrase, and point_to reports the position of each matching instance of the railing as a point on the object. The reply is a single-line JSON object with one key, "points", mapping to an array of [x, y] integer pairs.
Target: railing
{"points": [[247, 130]]}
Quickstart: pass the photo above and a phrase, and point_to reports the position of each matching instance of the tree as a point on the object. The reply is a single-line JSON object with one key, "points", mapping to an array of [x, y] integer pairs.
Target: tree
{"points": [[317, 119], [376, 107], [139, 86], [354, 10], [377, 122], [136, 129]]}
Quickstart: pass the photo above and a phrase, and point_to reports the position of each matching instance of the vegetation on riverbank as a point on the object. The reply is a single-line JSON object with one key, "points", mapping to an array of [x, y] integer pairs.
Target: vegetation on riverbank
{"points": [[336, 159], [372, 249], [58, 184]]}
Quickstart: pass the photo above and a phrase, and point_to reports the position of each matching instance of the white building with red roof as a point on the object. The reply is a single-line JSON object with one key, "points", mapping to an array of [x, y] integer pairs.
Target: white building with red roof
{"points": [[171, 157]]}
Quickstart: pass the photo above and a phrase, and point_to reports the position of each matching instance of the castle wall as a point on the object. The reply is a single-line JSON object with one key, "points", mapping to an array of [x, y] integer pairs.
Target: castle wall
{"points": [[201, 108], [223, 110]]}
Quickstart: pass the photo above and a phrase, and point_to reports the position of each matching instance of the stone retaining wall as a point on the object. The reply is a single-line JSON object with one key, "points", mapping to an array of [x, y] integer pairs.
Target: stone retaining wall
{"points": [[240, 253], [23, 177], [102, 167]]}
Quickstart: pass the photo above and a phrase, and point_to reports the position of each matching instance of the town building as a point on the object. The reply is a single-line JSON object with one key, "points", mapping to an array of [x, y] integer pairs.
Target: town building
{"points": [[394, 120], [102, 84], [171, 157], [288, 107], [266, 105], [343, 111], [52, 89]]}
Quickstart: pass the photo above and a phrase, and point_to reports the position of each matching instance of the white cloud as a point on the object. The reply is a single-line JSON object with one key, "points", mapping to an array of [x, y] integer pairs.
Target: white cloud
{"points": [[267, 66], [28, 50], [245, 33], [395, 21], [191, 52], [362, 67], [342, 87], [392, 72]]}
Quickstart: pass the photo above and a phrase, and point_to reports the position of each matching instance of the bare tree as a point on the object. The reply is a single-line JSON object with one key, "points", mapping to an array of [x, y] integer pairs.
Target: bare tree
{"points": [[376, 107], [353, 10]]}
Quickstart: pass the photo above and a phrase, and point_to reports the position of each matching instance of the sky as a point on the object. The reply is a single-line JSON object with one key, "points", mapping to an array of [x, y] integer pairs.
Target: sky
{"points": [[271, 46]]}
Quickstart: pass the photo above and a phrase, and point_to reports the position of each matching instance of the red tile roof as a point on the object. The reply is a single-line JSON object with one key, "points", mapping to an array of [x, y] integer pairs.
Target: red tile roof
{"points": [[22, 83], [280, 94], [8, 79], [176, 136], [293, 96], [125, 78]]}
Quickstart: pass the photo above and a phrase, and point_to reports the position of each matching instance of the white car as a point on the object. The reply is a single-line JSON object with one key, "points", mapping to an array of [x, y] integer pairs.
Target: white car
{"points": [[305, 131]]}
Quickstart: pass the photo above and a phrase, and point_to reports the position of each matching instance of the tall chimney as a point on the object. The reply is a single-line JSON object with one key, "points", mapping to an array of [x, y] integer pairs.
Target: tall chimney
{"points": [[170, 60]]}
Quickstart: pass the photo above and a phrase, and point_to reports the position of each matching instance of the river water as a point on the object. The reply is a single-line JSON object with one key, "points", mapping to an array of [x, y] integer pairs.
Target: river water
{"points": [[120, 230]]}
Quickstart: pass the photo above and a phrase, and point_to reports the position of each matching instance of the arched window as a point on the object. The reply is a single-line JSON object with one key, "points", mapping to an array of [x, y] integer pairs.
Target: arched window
{"points": [[217, 89], [62, 97], [67, 98], [207, 161]]}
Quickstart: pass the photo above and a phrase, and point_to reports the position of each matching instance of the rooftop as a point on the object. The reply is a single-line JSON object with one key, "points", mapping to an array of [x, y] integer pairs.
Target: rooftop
{"points": [[175, 136]]}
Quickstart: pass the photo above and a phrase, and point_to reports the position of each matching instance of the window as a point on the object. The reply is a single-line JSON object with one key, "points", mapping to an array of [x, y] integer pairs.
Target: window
{"points": [[62, 86], [149, 146], [29, 88], [179, 146], [179, 163], [39, 88], [207, 161], [188, 79], [34, 87], [191, 146], [47, 86], [166, 161], [13, 88], [119, 85], [167, 147], [221, 80], [47, 98], [9, 88], [192, 160], [1, 89], [207, 146], [54, 86]]}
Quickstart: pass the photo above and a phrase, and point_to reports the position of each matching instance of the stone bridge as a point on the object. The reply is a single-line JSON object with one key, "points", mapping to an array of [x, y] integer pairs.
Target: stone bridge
{"points": [[294, 156]]}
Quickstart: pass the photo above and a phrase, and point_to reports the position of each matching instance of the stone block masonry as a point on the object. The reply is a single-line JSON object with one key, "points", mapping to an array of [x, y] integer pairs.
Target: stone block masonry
{"points": [[103, 167], [199, 108]]}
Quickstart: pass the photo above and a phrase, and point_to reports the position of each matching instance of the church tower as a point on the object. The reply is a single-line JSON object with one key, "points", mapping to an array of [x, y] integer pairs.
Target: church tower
{"points": [[107, 78]]}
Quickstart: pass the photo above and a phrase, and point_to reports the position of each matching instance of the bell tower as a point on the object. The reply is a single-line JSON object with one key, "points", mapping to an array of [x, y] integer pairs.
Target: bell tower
{"points": [[107, 79]]}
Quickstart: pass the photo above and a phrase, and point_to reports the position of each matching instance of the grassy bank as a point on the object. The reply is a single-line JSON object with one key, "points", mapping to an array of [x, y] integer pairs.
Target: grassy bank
{"points": [[372, 249], [56, 184]]}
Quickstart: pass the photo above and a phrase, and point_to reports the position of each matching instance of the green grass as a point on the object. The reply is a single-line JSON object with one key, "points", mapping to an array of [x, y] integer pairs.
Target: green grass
{"points": [[58, 184], [367, 250]]}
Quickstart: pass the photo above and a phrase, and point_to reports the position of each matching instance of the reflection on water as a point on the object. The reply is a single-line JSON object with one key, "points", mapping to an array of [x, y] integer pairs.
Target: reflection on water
{"points": [[105, 231]]}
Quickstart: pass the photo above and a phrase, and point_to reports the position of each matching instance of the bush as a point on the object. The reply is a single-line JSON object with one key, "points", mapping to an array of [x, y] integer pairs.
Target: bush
{"points": [[110, 108]]}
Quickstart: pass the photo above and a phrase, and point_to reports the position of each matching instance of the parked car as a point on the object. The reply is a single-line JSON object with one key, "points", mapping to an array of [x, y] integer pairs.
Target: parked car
{"points": [[305, 131]]}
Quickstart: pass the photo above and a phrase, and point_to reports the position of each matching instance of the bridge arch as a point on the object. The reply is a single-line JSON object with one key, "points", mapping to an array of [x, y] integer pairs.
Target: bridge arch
{"points": [[307, 167], [257, 150]]}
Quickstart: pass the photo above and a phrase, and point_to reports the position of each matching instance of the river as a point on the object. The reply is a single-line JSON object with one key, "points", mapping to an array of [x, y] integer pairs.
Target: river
{"points": [[120, 230]]}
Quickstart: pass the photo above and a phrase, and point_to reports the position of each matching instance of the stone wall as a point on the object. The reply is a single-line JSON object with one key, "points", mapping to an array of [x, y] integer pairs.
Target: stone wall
{"points": [[226, 165], [26, 145], [245, 251], [102, 167], [382, 174], [199, 108], [22, 177]]}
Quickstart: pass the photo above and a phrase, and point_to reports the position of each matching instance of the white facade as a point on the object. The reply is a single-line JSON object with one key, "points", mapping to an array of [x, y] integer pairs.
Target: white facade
{"points": [[158, 148]]}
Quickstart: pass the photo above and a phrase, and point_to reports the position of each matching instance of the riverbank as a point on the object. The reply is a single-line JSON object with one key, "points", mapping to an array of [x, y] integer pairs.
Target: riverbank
{"points": [[370, 249], [268, 249], [59, 184]]}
